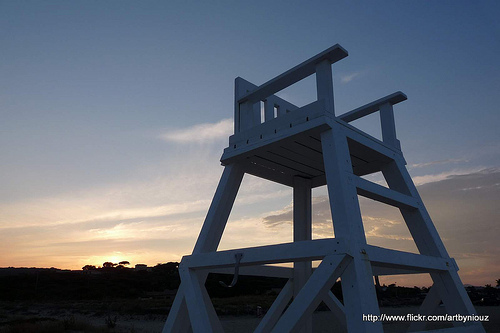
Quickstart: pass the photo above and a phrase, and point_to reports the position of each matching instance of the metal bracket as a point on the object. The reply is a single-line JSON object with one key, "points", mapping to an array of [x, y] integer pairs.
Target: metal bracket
{"points": [[238, 257]]}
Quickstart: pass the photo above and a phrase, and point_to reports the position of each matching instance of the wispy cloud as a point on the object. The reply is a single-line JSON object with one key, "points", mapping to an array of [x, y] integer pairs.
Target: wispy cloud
{"points": [[440, 162], [200, 133], [431, 178], [349, 77]]}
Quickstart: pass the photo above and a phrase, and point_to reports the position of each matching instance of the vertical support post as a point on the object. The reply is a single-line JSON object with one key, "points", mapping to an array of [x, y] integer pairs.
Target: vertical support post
{"points": [[268, 109], [324, 85], [357, 280], [246, 115], [208, 241], [302, 231], [388, 126]]}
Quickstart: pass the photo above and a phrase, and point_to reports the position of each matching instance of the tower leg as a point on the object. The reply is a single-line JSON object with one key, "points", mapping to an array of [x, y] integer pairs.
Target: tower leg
{"points": [[357, 280], [424, 233], [302, 231], [208, 240]]}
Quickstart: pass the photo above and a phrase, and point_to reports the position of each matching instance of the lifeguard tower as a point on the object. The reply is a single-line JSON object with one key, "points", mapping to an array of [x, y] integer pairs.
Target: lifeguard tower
{"points": [[304, 148]]}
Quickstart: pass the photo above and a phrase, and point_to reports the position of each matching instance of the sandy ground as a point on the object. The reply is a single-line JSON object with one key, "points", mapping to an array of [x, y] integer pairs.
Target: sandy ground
{"points": [[322, 320]]}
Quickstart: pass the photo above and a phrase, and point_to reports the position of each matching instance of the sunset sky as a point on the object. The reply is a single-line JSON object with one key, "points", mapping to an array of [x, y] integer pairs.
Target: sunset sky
{"points": [[114, 116]]}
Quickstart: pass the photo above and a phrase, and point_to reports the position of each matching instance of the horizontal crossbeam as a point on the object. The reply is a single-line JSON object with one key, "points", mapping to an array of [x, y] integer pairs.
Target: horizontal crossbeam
{"points": [[271, 254], [263, 270], [372, 107], [287, 272], [297, 73], [405, 260], [384, 270], [383, 194]]}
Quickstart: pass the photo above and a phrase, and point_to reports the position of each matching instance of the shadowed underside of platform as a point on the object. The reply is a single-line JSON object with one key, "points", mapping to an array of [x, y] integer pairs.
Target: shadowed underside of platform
{"points": [[301, 155]]}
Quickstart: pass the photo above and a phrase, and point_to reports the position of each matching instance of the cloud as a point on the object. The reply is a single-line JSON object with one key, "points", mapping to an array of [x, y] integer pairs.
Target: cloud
{"points": [[441, 162], [432, 178], [200, 133], [349, 77]]}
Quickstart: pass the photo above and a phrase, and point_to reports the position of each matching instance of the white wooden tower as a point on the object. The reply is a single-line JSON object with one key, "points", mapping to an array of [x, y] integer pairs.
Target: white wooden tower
{"points": [[304, 148]]}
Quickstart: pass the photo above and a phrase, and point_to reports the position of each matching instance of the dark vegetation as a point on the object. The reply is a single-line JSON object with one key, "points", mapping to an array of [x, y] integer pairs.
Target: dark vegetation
{"points": [[115, 281], [114, 291]]}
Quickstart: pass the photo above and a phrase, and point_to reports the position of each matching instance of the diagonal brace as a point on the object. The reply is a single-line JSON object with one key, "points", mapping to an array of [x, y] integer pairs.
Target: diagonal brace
{"points": [[312, 293]]}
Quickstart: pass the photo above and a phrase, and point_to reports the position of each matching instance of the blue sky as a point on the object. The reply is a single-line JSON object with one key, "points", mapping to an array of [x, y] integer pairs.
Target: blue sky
{"points": [[114, 116]]}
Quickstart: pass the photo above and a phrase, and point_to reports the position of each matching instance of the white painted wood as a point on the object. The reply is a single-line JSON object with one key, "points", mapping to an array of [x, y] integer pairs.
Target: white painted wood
{"points": [[369, 141], [372, 107], [448, 283], [209, 239], [419, 222], [302, 231], [429, 305], [406, 260], [201, 311], [383, 270], [242, 87], [178, 319], [219, 210], [357, 280], [264, 150], [282, 105], [324, 85], [271, 254], [273, 314], [268, 109], [243, 112], [388, 126], [246, 150], [297, 73], [312, 293], [277, 125], [383, 194], [263, 270], [337, 308]]}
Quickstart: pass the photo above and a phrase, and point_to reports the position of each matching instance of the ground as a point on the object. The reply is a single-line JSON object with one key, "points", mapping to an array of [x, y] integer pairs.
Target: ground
{"points": [[131, 316]]}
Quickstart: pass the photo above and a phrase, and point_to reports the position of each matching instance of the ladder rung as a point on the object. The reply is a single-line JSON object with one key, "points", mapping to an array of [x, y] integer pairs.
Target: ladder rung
{"points": [[383, 194], [407, 260]]}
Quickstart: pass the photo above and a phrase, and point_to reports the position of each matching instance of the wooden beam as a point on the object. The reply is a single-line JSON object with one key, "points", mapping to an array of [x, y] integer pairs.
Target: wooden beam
{"points": [[430, 303], [263, 270], [219, 210], [201, 311], [297, 73], [312, 293], [383, 194], [273, 314], [337, 309], [302, 231], [280, 253], [406, 260], [372, 107], [384, 270]]}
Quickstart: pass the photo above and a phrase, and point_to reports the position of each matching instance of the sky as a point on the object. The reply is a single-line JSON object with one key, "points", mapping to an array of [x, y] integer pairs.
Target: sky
{"points": [[114, 116]]}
